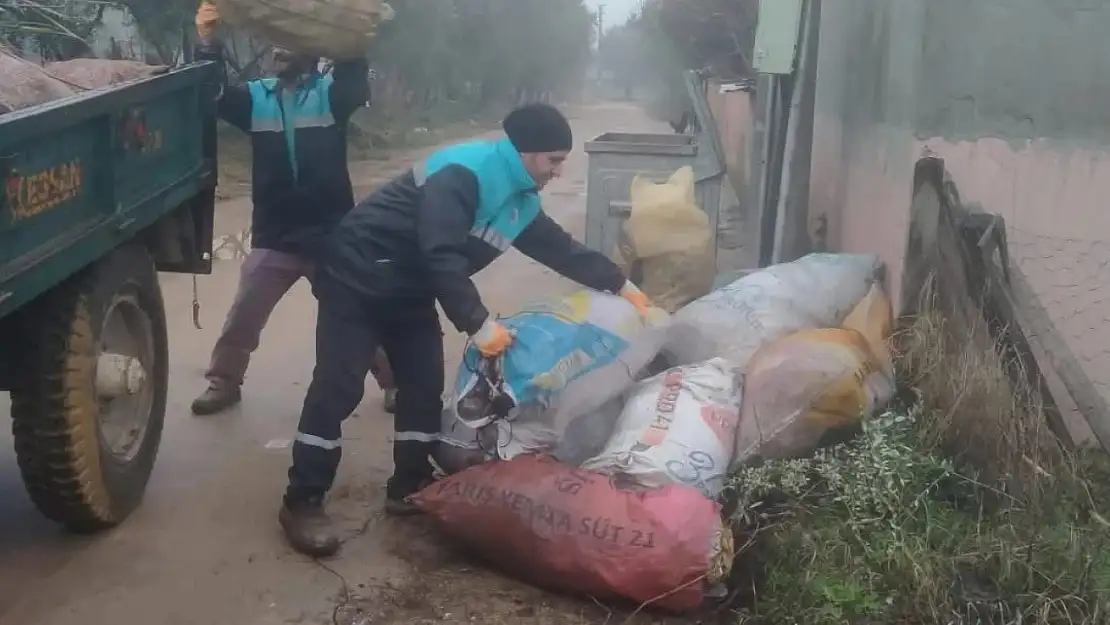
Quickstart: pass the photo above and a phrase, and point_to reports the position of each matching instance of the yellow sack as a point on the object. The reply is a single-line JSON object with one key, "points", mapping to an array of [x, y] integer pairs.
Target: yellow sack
{"points": [[336, 29], [801, 386], [873, 317], [666, 245]]}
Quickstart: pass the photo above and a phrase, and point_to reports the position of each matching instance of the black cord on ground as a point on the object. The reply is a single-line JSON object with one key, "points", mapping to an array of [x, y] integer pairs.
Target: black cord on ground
{"points": [[346, 600]]}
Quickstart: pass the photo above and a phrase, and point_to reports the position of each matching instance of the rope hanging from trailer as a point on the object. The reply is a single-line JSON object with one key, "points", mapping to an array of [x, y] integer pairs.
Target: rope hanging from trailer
{"points": [[196, 305]]}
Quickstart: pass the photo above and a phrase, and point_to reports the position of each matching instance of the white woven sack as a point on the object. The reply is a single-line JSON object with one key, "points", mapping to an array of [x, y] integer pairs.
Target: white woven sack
{"points": [[732, 322], [678, 427]]}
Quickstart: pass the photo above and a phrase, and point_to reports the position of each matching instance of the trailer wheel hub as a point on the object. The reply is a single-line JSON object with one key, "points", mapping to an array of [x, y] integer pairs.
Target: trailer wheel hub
{"points": [[118, 375], [123, 366]]}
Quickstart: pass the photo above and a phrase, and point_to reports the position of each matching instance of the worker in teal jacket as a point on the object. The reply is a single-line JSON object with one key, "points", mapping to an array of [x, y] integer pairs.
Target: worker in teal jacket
{"points": [[300, 187], [414, 242]]}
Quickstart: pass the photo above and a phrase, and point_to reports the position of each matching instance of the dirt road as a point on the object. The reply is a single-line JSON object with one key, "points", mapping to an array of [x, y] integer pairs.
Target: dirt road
{"points": [[205, 546]]}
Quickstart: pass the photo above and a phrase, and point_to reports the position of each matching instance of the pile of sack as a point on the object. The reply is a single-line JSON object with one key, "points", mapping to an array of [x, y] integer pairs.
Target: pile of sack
{"points": [[593, 455], [24, 84]]}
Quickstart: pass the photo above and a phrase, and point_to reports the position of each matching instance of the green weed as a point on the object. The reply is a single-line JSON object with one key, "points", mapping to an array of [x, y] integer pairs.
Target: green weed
{"points": [[958, 509]]}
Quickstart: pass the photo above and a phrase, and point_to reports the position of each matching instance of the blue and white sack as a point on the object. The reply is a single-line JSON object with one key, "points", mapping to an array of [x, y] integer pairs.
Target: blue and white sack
{"points": [[569, 357]]}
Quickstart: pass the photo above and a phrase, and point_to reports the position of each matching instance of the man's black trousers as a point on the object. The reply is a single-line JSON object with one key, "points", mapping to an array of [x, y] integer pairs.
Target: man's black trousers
{"points": [[349, 328]]}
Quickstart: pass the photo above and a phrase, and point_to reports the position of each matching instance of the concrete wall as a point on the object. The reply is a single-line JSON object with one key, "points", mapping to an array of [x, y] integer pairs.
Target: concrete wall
{"points": [[862, 164], [1015, 96]]}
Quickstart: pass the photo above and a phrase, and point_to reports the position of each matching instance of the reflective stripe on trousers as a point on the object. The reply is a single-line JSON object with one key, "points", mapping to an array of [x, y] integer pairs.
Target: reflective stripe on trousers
{"points": [[348, 331]]}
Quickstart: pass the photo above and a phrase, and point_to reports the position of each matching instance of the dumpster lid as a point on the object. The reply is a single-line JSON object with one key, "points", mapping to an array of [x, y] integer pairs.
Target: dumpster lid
{"points": [[644, 143]]}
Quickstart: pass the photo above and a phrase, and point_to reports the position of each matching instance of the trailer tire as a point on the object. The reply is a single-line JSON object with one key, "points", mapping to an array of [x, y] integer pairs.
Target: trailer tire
{"points": [[73, 472]]}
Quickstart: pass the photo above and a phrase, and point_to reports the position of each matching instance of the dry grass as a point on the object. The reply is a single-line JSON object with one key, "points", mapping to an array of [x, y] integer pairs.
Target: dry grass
{"points": [[958, 507], [974, 412]]}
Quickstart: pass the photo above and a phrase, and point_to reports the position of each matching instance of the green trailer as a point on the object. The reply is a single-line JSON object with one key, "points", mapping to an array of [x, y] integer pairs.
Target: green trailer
{"points": [[100, 192]]}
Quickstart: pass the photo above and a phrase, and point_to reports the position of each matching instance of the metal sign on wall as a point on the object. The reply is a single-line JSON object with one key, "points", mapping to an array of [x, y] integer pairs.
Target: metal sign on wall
{"points": [[776, 36]]}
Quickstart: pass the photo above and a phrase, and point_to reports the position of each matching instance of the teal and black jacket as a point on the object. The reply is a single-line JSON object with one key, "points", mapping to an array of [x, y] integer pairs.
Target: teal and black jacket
{"points": [[301, 187], [424, 234]]}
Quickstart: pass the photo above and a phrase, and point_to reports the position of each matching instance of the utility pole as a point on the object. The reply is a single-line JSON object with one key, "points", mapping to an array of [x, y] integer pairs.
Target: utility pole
{"points": [[600, 25]]}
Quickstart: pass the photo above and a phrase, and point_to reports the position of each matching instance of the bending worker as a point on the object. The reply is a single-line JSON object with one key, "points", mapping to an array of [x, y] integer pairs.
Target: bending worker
{"points": [[414, 242], [297, 122]]}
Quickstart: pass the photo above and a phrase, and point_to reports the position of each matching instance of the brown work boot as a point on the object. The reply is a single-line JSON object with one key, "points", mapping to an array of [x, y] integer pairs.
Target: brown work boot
{"points": [[389, 401], [400, 507], [216, 399], [308, 529]]}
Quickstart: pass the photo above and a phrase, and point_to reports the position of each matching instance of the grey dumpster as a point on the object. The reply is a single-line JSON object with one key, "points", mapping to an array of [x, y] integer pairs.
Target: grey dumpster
{"points": [[616, 157]]}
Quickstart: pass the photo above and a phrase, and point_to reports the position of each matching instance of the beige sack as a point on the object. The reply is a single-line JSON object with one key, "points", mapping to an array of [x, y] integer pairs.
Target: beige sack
{"points": [[666, 245], [336, 29], [801, 386], [24, 84], [99, 73]]}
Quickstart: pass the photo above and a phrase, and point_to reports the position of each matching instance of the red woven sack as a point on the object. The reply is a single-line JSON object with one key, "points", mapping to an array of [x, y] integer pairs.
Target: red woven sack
{"points": [[573, 530]]}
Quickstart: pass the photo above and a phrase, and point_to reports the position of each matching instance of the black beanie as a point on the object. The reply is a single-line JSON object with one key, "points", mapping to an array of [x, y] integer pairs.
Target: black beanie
{"points": [[535, 128]]}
